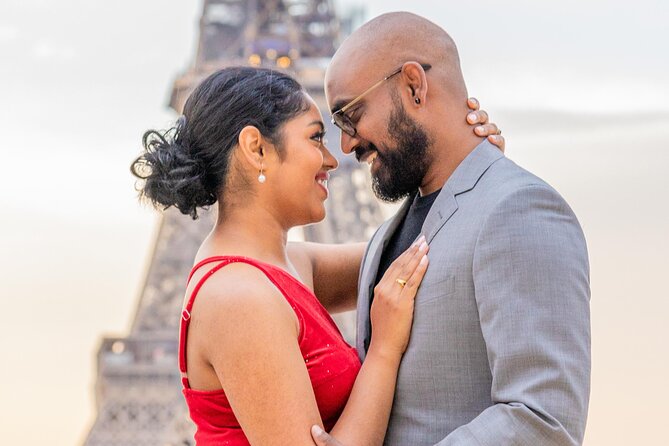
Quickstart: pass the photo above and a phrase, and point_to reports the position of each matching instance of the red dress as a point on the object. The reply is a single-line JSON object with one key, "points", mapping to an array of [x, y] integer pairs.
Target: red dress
{"points": [[332, 364]]}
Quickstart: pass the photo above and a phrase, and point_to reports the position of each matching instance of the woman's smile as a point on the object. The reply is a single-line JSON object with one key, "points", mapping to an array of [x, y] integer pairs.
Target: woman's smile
{"points": [[322, 181]]}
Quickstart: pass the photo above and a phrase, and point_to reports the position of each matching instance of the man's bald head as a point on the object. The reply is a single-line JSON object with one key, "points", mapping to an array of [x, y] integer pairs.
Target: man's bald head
{"points": [[388, 41], [411, 127]]}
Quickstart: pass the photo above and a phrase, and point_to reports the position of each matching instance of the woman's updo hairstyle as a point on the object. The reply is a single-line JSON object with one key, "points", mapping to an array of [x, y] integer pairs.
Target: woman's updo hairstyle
{"points": [[187, 165]]}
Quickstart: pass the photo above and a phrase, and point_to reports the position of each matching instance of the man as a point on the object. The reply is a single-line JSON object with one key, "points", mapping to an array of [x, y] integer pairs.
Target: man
{"points": [[500, 346]]}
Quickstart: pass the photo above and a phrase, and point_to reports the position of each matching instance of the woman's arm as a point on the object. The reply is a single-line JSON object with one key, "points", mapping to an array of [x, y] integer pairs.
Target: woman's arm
{"points": [[365, 418], [252, 344], [250, 335], [335, 270]]}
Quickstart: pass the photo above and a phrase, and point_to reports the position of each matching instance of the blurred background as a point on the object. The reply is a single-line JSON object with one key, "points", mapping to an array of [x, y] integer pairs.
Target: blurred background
{"points": [[580, 88]]}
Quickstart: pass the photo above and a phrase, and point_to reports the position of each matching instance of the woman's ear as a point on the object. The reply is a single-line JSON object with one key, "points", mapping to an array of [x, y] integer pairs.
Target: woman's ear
{"points": [[251, 148]]}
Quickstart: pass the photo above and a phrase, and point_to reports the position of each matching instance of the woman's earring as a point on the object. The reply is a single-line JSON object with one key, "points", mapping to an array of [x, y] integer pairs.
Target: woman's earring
{"points": [[417, 100], [261, 178]]}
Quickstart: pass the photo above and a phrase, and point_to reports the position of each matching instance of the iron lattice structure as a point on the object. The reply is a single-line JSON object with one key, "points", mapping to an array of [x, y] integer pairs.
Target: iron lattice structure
{"points": [[138, 388]]}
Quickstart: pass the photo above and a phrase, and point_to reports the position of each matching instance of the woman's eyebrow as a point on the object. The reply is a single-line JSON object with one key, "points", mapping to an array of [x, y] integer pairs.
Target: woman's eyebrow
{"points": [[317, 123]]}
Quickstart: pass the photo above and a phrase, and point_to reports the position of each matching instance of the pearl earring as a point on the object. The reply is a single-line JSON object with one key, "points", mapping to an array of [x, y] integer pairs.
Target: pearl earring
{"points": [[261, 178], [417, 100]]}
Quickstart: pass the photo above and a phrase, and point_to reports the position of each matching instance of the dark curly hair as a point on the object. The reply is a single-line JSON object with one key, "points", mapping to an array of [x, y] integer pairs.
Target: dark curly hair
{"points": [[187, 165]]}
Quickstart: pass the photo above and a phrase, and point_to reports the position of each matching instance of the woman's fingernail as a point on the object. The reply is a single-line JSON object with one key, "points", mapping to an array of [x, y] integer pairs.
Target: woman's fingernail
{"points": [[471, 117], [316, 430], [479, 129]]}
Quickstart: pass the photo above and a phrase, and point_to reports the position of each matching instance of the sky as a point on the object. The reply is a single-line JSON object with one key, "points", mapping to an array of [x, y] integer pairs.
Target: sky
{"points": [[580, 89]]}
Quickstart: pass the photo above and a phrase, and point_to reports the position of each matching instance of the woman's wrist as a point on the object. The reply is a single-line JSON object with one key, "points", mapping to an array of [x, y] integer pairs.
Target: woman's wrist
{"points": [[384, 354]]}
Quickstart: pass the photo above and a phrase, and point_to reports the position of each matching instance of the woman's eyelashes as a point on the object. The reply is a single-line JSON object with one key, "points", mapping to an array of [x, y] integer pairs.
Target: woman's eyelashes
{"points": [[319, 137]]}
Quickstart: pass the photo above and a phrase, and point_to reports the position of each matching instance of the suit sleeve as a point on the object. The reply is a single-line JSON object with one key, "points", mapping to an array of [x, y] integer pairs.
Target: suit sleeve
{"points": [[531, 278]]}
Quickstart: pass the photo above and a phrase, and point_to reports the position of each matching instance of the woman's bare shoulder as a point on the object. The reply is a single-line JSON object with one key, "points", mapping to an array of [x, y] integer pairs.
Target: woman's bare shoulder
{"points": [[237, 295]]}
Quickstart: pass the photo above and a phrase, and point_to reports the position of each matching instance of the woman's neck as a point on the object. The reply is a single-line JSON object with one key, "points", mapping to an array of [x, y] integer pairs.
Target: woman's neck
{"points": [[251, 232]]}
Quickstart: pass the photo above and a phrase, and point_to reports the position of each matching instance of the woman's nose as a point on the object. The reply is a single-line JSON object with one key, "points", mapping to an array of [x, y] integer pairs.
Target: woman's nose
{"points": [[329, 161]]}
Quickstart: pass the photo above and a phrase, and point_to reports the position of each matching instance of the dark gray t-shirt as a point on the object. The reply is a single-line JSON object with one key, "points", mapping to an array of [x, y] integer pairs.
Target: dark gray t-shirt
{"points": [[404, 236]]}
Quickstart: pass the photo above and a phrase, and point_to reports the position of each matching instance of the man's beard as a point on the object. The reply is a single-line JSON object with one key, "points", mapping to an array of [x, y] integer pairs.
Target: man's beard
{"points": [[401, 168]]}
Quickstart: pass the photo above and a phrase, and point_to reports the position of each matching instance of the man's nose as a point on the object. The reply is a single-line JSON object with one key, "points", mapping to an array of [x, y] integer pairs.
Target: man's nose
{"points": [[348, 143]]}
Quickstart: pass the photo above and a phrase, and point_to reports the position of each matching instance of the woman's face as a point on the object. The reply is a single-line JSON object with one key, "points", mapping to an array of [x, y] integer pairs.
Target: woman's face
{"points": [[299, 180]]}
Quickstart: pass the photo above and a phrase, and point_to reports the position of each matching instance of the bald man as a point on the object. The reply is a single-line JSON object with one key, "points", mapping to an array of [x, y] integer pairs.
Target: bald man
{"points": [[500, 346]]}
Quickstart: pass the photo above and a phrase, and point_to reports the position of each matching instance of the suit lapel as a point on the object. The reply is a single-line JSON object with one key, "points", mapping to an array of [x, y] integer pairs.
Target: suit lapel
{"points": [[464, 179], [443, 208], [369, 271]]}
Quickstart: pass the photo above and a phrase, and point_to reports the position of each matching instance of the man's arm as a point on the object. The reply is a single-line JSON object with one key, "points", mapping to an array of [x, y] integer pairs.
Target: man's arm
{"points": [[531, 278]]}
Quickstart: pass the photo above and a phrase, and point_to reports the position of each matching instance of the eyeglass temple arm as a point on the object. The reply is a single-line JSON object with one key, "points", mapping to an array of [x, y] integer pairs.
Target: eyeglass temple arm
{"points": [[426, 66], [356, 100]]}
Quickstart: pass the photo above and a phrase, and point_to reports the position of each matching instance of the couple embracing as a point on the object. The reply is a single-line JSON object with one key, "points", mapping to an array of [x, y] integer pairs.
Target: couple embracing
{"points": [[472, 301]]}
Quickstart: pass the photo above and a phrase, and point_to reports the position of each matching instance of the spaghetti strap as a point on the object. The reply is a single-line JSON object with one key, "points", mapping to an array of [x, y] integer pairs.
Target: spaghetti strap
{"points": [[186, 312], [206, 261]]}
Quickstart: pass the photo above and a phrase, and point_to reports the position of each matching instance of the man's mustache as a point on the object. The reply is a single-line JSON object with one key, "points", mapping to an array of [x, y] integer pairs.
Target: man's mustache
{"points": [[361, 152]]}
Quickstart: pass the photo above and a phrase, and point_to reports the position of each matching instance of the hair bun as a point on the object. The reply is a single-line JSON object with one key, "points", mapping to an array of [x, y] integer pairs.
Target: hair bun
{"points": [[170, 175]]}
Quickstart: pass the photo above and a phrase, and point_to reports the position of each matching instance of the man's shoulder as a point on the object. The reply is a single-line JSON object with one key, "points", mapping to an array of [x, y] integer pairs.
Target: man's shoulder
{"points": [[514, 195], [506, 180], [510, 176]]}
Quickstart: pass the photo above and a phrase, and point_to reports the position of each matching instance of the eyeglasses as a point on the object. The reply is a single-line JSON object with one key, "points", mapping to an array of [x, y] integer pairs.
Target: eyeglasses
{"points": [[341, 120]]}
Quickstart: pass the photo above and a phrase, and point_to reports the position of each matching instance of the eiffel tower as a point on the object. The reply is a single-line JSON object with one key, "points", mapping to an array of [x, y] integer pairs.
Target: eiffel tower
{"points": [[138, 390]]}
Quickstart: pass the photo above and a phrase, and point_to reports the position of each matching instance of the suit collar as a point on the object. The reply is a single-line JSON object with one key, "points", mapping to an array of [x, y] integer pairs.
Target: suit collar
{"points": [[472, 168], [463, 179]]}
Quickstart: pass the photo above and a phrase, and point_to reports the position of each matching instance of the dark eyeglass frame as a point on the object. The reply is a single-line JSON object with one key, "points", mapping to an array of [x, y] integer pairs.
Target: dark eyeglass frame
{"points": [[341, 120]]}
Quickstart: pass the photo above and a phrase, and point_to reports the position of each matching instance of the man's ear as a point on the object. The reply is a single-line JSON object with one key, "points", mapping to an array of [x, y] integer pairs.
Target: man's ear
{"points": [[415, 81], [251, 147]]}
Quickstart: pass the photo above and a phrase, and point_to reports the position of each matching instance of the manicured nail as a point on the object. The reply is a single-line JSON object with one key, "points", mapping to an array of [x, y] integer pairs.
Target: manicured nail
{"points": [[423, 261], [479, 129], [316, 430], [471, 117], [423, 246]]}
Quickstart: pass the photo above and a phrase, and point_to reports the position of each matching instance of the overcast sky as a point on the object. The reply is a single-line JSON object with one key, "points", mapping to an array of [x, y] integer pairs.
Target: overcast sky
{"points": [[581, 89]]}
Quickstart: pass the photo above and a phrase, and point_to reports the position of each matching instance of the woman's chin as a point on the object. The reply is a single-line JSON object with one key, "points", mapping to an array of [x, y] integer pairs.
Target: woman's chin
{"points": [[317, 215], [320, 215]]}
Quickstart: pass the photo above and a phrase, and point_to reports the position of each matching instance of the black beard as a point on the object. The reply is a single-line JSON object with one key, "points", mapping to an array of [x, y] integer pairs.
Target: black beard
{"points": [[401, 168]]}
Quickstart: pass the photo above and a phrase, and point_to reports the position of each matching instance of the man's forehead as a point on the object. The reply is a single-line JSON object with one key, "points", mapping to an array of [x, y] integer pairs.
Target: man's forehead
{"points": [[346, 79]]}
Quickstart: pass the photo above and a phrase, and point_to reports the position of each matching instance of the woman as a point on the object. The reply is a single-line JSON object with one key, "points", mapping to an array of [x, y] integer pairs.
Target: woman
{"points": [[261, 359]]}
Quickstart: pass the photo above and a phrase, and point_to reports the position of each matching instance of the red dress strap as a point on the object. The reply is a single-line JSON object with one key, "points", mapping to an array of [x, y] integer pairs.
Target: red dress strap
{"points": [[186, 313]]}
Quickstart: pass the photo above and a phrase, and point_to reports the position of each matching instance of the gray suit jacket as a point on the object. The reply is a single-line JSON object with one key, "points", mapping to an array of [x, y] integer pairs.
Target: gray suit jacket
{"points": [[500, 345]]}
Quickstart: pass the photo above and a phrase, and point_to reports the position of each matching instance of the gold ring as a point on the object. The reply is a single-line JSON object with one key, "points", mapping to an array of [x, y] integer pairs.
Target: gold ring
{"points": [[402, 282]]}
